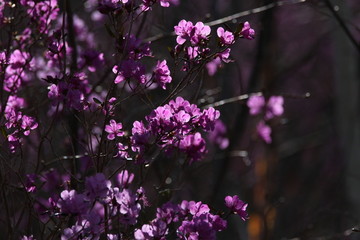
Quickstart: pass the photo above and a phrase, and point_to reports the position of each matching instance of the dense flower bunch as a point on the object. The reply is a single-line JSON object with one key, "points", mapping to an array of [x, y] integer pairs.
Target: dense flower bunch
{"points": [[72, 86], [194, 219], [103, 205], [268, 108], [193, 41], [18, 123], [175, 126], [70, 91], [100, 206]]}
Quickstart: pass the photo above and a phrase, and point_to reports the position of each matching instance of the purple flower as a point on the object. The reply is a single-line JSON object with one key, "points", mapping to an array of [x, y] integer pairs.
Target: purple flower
{"points": [[221, 57], [256, 104], [95, 219], [14, 141], [141, 136], [15, 103], [76, 231], [201, 32], [125, 179], [168, 212], [274, 107], [134, 48], [218, 135], [28, 123], [97, 186], [183, 30], [173, 126], [114, 130], [157, 229], [112, 237], [213, 65], [129, 69], [129, 208], [264, 131], [161, 116], [192, 52], [247, 32], [92, 59], [72, 203], [237, 206], [226, 37], [208, 118], [72, 91], [186, 31], [201, 226], [162, 74], [165, 3], [122, 151], [13, 118], [43, 13], [194, 146], [18, 59]]}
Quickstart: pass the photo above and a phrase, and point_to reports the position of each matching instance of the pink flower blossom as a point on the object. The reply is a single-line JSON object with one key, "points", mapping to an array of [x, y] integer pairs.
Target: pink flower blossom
{"points": [[162, 73], [237, 206], [274, 107], [114, 130], [184, 31], [256, 104], [247, 32], [264, 131], [226, 37]]}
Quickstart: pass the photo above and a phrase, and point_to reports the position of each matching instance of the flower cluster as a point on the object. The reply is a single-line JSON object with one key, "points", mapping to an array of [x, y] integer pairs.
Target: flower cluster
{"points": [[194, 221], [146, 4], [133, 69], [103, 205], [268, 108], [175, 126], [237, 206], [17, 122], [100, 204], [187, 31], [226, 39], [70, 90], [15, 72], [41, 13], [193, 41]]}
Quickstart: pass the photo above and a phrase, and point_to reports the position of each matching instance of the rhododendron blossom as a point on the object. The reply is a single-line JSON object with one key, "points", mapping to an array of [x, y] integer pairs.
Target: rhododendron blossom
{"points": [[114, 130], [273, 107]]}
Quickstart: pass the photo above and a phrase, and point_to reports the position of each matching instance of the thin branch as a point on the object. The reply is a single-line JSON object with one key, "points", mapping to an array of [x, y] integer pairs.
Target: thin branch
{"points": [[342, 24], [231, 100], [233, 17], [253, 11]]}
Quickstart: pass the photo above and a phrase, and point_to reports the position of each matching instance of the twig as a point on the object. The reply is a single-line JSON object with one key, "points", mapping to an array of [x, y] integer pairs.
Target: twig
{"points": [[231, 100], [342, 24], [233, 17]]}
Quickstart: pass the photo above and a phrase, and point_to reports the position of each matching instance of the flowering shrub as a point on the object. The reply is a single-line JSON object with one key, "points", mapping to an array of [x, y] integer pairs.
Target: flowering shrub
{"points": [[89, 108]]}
